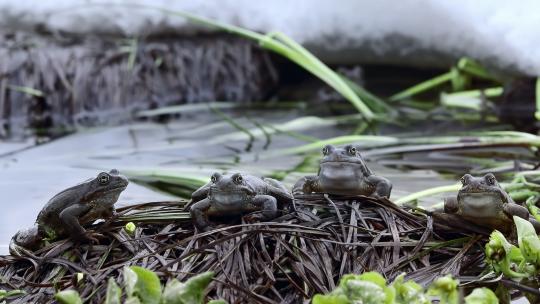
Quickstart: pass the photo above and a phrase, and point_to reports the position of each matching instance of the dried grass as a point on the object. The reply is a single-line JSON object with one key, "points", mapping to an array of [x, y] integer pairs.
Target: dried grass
{"points": [[288, 260]]}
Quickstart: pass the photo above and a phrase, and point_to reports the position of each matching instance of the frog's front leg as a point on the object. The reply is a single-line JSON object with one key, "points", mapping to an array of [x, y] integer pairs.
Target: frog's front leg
{"points": [[199, 214], [512, 209], [450, 205], [278, 190], [70, 216], [267, 205], [307, 185], [382, 186], [200, 193]]}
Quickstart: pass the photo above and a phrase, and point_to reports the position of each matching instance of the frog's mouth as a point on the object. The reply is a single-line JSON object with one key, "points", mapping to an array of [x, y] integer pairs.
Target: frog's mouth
{"points": [[121, 187], [229, 196]]}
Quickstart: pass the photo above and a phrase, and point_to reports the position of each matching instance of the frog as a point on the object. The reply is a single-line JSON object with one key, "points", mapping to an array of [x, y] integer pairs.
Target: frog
{"points": [[482, 201], [343, 171], [65, 213], [237, 194]]}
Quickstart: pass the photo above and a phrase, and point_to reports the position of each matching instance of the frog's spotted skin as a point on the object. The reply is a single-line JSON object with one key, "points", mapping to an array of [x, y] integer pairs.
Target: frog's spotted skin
{"points": [[343, 171], [482, 201], [68, 210], [236, 194]]}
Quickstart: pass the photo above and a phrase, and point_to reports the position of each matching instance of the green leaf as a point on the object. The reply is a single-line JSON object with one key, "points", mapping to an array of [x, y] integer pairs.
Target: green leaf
{"points": [[132, 300], [373, 277], [330, 299], [446, 289], [220, 301], [68, 297], [130, 279], [528, 241], [409, 292], [190, 292], [4, 294], [502, 256], [113, 292], [533, 209], [147, 287], [482, 296]]}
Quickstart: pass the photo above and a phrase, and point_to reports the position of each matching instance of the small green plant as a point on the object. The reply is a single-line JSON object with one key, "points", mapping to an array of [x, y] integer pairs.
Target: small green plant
{"points": [[515, 262], [142, 286], [5, 295], [371, 287], [519, 263], [130, 228], [482, 296]]}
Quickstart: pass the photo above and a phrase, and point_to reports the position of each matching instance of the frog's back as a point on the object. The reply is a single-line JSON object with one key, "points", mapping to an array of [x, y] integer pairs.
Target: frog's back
{"points": [[259, 184], [50, 214]]}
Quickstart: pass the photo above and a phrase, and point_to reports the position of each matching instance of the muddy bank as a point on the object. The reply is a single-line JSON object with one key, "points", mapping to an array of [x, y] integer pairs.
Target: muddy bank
{"points": [[58, 82]]}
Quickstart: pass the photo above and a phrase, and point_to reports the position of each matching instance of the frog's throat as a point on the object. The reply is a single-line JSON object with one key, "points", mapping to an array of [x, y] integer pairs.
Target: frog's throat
{"points": [[356, 162], [486, 198], [117, 188]]}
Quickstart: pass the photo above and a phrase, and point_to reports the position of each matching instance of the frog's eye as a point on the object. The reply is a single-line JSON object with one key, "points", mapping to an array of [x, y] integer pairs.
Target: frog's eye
{"points": [[215, 177], [352, 150], [490, 179], [327, 149], [103, 178], [237, 179], [465, 179]]}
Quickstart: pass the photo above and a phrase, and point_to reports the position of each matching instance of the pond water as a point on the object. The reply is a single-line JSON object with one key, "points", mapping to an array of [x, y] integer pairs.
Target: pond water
{"points": [[198, 144]]}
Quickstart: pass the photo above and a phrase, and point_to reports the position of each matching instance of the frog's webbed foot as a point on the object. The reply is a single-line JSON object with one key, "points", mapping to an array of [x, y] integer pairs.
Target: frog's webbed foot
{"points": [[199, 214], [268, 206], [383, 186], [306, 185]]}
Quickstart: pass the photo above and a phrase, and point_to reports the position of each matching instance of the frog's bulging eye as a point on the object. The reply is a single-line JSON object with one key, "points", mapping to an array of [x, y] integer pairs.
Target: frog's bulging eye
{"points": [[237, 179], [327, 149], [465, 179], [103, 178], [490, 179], [352, 150], [215, 177]]}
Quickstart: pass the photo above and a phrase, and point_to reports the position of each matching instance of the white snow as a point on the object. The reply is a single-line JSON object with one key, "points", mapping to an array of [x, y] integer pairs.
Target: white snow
{"points": [[501, 33]]}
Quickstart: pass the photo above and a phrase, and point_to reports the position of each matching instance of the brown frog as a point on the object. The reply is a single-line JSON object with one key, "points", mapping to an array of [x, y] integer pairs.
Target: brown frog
{"points": [[236, 194], [343, 171], [67, 211], [483, 202]]}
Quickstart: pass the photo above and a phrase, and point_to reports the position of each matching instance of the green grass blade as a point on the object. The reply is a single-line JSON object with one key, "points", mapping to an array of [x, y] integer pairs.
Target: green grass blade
{"points": [[474, 68], [26, 90], [285, 47], [422, 87], [314, 65]]}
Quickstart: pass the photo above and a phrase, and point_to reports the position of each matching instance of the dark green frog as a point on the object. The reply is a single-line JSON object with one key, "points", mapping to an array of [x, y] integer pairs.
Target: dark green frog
{"points": [[236, 194], [343, 171], [68, 210], [482, 201]]}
